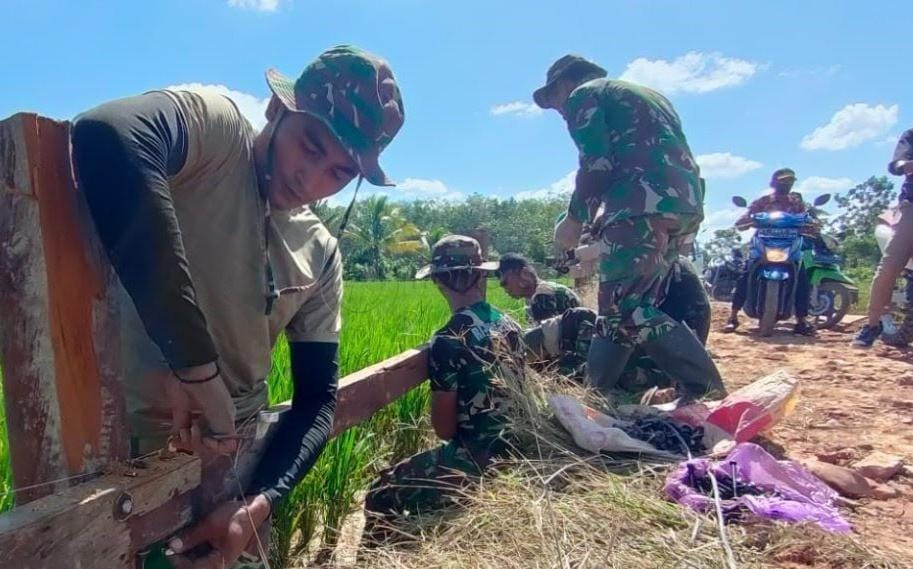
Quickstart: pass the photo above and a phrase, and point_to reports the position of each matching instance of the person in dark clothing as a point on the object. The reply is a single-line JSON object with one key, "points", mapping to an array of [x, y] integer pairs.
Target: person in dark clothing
{"points": [[783, 199], [207, 226], [899, 249]]}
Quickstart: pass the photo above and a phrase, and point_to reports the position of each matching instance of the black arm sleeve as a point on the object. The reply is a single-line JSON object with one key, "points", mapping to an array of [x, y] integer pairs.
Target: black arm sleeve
{"points": [[123, 153], [304, 429], [903, 151]]}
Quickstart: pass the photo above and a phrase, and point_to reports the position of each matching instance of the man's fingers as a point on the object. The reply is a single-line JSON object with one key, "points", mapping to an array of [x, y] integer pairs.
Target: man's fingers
{"points": [[187, 540]]}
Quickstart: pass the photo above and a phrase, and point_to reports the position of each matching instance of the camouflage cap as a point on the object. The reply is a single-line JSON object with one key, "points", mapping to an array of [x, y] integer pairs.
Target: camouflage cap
{"points": [[567, 66], [355, 94], [783, 174], [455, 252]]}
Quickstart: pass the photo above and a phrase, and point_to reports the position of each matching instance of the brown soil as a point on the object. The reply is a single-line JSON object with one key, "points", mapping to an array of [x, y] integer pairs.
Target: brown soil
{"points": [[852, 402]]}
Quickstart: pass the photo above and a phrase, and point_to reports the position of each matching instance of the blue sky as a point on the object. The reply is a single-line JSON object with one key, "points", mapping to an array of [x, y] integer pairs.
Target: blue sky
{"points": [[818, 86]]}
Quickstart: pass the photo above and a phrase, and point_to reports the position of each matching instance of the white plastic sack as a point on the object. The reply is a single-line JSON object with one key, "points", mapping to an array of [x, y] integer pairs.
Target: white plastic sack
{"points": [[594, 431]]}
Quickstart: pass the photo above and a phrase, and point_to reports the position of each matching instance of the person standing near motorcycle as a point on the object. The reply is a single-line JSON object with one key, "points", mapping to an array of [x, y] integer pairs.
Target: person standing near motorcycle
{"points": [[899, 249], [635, 162], [783, 199]]}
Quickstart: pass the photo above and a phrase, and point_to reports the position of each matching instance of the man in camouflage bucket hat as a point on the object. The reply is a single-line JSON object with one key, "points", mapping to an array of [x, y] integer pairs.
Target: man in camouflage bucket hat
{"points": [[207, 226], [467, 361], [636, 166]]}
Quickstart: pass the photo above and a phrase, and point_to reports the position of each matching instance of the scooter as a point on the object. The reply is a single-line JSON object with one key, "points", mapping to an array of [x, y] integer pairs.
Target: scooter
{"points": [[832, 292], [774, 259], [721, 276]]}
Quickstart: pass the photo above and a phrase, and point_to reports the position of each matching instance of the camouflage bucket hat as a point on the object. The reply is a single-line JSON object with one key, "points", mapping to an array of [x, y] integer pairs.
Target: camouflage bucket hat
{"points": [[355, 94], [456, 252], [562, 68]]}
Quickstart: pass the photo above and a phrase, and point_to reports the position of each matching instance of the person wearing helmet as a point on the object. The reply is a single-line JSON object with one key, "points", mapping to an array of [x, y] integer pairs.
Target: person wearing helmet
{"points": [[780, 198], [206, 224], [636, 166]]}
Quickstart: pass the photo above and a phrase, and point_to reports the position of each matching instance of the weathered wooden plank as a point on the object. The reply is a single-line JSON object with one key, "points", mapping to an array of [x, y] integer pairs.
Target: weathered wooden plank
{"points": [[363, 393], [90, 525], [58, 339]]}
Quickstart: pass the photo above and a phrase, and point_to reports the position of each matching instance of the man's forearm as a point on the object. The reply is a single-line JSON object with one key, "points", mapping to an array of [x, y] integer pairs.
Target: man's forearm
{"points": [[305, 428]]}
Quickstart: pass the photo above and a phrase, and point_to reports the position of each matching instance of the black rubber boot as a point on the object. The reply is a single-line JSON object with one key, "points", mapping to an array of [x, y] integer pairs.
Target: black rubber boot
{"points": [[604, 363], [682, 357]]}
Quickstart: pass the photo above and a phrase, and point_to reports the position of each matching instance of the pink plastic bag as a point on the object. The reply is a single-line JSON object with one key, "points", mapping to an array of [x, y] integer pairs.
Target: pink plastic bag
{"points": [[756, 407]]}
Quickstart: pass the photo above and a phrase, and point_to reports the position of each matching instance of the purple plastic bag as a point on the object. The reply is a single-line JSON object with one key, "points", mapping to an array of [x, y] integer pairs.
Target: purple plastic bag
{"points": [[795, 494]]}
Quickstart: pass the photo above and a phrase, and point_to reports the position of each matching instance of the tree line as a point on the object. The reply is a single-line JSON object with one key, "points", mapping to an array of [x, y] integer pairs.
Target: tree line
{"points": [[383, 239]]}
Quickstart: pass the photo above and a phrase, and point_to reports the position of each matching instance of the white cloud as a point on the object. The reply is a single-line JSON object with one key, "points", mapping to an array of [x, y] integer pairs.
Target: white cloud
{"points": [[259, 5], [813, 186], [725, 165], [560, 188], [408, 189], [719, 219], [420, 188], [851, 126], [517, 109], [694, 72], [253, 108]]}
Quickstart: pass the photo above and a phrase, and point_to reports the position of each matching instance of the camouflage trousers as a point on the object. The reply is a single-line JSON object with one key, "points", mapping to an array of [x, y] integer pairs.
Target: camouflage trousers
{"points": [[634, 268], [427, 481]]}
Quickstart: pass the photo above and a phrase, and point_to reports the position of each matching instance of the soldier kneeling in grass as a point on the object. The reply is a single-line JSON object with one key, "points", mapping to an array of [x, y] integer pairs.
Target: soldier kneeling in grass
{"points": [[468, 362], [561, 344]]}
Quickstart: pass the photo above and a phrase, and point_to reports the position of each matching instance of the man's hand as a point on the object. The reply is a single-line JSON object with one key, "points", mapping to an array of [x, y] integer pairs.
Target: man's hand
{"points": [[229, 530], [211, 400], [567, 235]]}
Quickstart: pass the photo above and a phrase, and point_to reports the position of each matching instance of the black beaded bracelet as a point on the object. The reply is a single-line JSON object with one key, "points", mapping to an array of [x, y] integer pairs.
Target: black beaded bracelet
{"points": [[204, 380]]}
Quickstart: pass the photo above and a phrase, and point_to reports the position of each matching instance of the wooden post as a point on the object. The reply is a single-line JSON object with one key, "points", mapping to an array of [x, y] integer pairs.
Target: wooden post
{"points": [[59, 347], [58, 341]]}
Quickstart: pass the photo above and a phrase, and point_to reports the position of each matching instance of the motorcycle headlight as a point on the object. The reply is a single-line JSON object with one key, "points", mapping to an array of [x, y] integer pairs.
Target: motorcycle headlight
{"points": [[773, 255]]}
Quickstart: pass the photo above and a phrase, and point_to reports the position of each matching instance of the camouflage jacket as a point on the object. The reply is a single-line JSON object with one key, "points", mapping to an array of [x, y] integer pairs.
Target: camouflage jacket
{"points": [[634, 158], [549, 300], [469, 356]]}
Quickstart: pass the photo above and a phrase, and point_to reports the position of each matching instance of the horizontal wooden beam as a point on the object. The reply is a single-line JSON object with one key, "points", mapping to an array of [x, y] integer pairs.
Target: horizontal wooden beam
{"points": [[369, 390], [92, 525]]}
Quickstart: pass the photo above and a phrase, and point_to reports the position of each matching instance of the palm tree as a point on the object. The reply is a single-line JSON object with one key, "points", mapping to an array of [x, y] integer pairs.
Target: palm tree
{"points": [[328, 214], [380, 230]]}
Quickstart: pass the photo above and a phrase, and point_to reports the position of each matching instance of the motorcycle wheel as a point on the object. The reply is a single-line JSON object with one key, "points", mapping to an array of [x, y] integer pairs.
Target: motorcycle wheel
{"points": [[831, 306], [770, 308]]}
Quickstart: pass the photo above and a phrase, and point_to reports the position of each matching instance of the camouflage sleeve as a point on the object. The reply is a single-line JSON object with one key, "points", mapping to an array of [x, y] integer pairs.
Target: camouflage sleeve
{"points": [[543, 306], [588, 127], [444, 363]]}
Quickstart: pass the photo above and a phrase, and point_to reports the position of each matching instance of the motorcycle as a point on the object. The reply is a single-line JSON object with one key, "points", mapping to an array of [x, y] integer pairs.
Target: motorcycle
{"points": [[776, 254], [721, 276], [832, 291]]}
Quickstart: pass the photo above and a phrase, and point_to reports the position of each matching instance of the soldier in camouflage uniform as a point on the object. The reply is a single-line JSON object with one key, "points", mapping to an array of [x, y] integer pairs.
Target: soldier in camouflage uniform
{"points": [[467, 362], [636, 165], [564, 342], [544, 299]]}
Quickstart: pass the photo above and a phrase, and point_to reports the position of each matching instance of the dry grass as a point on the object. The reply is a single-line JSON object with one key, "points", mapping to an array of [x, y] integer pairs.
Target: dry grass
{"points": [[557, 507]]}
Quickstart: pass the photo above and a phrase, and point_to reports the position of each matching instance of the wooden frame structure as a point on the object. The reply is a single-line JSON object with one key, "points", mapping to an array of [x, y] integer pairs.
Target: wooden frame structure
{"points": [[82, 502]]}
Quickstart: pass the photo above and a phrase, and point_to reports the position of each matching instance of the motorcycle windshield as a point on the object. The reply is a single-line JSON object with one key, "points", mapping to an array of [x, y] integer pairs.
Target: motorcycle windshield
{"points": [[780, 220]]}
